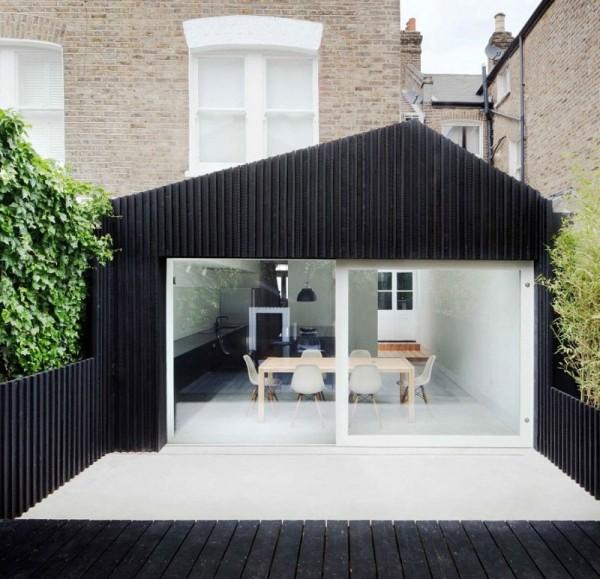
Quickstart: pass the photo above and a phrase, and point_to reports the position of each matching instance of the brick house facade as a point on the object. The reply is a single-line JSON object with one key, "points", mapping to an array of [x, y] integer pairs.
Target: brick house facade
{"points": [[561, 53], [126, 75]]}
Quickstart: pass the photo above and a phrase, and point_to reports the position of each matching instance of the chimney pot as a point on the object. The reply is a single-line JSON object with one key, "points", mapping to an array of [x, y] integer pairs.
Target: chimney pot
{"points": [[411, 25], [499, 21]]}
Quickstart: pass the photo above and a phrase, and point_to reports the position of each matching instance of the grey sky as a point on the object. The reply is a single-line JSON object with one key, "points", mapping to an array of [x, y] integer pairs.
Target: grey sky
{"points": [[455, 32]]}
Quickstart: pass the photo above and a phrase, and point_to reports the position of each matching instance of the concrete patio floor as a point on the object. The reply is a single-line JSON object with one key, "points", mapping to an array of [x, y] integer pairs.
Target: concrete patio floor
{"points": [[324, 483]]}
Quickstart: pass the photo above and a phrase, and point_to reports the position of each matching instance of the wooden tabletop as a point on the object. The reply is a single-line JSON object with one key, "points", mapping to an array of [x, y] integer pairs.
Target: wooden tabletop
{"points": [[275, 364]]}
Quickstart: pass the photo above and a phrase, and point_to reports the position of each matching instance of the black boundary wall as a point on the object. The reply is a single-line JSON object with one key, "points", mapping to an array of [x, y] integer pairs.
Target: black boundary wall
{"points": [[400, 192]]}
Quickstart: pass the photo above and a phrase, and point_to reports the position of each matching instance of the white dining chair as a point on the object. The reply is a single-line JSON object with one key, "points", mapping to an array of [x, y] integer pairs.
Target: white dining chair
{"points": [[307, 380], [270, 383], [421, 381], [360, 354], [311, 354], [365, 382]]}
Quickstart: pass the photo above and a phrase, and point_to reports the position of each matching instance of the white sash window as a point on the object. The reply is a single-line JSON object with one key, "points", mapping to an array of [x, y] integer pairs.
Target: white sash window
{"points": [[31, 82]]}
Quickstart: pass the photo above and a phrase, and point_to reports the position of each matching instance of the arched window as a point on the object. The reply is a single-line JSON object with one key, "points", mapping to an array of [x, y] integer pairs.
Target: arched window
{"points": [[253, 89], [31, 82]]}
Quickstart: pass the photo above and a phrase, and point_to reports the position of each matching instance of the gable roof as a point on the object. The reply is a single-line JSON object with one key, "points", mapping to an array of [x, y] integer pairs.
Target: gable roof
{"points": [[399, 192]]}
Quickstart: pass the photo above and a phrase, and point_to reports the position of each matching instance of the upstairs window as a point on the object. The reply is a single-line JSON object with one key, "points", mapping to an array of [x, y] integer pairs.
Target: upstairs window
{"points": [[466, 135], [253, 88], [514, 159], [503, 84], [247, 106], [31, 82]]}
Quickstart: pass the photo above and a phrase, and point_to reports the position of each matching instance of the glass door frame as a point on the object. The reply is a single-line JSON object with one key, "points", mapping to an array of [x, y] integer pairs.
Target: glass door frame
{"points": [[527, 358]]}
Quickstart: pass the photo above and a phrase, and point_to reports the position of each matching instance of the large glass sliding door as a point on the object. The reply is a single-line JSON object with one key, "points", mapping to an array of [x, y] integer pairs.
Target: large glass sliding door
{"points": [[268, 352], [251, 351], [434, 353]]}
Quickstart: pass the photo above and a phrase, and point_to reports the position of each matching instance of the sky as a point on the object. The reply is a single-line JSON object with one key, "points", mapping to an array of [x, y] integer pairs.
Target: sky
{"points": [[456, 32]]}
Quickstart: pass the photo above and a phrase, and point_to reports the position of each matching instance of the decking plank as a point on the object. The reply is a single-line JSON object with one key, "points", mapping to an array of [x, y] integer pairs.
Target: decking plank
{"points": [[336, 560], [28, 535], [591, 529], [188, 553], [234, 559], [362, 556], [210, 558], [285, 559], [39, 554], [164, 552], [271, 549], [131, 564], [70, 550], [88, 556], [462, 550], [263, 549], [387, 557], [541, 555], [104, 565], [310, 559], [440, 561], [575, 564], [582, 543], [412, 554], [489, 554], [512, 550]]}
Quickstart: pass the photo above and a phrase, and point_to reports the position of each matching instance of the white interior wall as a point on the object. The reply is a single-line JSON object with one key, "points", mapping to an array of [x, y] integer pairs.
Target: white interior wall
{"points": [[470, 319], [321, 278], [196, 301]]}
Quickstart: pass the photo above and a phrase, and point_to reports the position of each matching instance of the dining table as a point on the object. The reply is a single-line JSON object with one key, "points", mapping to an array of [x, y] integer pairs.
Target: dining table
{"points": [[388, 365]]}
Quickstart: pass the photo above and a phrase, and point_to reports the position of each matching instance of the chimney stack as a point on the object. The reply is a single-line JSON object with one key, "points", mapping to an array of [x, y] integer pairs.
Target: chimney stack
{"points": [[410, 47], [499, 21], [499, 40]]}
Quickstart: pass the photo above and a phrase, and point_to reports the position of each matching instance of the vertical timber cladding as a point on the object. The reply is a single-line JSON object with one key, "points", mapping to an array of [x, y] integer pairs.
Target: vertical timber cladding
{"points": [[400, 192]]}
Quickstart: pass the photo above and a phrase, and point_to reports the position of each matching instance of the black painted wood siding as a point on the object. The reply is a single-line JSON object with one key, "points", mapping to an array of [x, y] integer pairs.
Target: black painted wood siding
{"points": [[51, 428], [400, 192]]}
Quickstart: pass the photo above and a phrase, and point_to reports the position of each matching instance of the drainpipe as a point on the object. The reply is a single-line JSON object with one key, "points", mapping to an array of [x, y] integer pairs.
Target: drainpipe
{"points": [[522, 115], [488, 117]]}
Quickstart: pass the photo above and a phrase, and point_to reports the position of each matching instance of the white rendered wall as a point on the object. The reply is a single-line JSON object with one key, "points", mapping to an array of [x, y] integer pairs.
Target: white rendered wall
{"points": [[470, 320]]}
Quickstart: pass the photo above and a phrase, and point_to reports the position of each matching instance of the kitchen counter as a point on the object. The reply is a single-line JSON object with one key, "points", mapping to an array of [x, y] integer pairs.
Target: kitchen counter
{"points": [[193, 341]]}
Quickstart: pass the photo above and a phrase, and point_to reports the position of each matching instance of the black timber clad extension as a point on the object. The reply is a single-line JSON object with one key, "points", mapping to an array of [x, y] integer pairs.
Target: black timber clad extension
{"points": [[400, 192]]}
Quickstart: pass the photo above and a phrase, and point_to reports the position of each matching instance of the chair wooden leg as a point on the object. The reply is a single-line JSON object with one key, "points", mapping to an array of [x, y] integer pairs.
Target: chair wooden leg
{"points": [[376, 411], [300, 397], [355, 405], [404, 396], [319, 412], [424, 395]]}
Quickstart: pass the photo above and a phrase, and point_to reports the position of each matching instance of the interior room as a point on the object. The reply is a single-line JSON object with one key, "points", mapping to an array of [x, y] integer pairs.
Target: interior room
{"points": [[229, 316], [254, 352]]}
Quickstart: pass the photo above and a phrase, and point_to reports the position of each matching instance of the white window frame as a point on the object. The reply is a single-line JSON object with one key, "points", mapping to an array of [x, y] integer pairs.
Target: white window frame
{"points": [[514, 159], [9, 53], [254, 111], [343, 438], [503, 85], [524, 439], [257, 39], [447, 125]]}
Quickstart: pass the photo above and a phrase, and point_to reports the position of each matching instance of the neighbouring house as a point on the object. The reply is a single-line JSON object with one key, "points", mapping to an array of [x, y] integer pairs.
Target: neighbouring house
{"points": [[545, 92], [448, 103]]}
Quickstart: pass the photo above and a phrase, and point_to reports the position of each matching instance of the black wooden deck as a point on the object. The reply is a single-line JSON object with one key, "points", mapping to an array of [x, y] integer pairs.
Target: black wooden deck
{"points": [[293, 549]]}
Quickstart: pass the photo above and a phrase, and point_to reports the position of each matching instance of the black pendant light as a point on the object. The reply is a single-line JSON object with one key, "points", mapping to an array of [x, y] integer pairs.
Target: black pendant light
{"points": [[306, 294]]}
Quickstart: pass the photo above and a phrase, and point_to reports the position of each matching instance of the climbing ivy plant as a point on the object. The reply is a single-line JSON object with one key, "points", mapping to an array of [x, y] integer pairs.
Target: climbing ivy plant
{"points": [[49, 238], [575, 288]]}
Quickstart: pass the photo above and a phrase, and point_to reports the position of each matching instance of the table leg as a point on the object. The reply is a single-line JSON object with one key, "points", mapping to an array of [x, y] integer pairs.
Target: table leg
{"points": [[261, 396], [411, 395]]}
